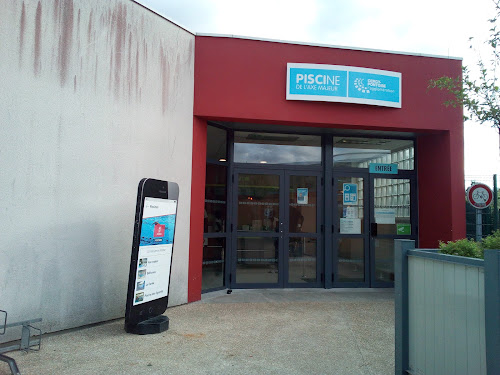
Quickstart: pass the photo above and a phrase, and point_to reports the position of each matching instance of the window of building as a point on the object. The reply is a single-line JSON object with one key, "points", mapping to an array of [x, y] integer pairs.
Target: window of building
{"points": [[214, 241], [359, 152], [269, 148]]}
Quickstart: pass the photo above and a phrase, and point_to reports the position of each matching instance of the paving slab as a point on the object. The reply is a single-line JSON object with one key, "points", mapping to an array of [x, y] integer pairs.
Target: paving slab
{"points": [[298, 331]]}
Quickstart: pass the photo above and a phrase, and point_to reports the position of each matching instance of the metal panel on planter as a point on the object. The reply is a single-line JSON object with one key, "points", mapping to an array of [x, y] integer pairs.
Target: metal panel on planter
{"points": [[446, 317]]}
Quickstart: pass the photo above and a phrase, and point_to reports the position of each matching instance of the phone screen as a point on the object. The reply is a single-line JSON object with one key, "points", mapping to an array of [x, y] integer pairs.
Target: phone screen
{"points": [[155, 250]]}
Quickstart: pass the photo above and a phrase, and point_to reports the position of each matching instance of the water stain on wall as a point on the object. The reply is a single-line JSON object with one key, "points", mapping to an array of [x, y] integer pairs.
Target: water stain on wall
{"points": [[78, 39], [190, 51], [129, 68], [137, 73], [119, 23], [38, 39], [22, 29], [55, 14], [133, 54], [65, 39], [165, 71], [89, 29]]}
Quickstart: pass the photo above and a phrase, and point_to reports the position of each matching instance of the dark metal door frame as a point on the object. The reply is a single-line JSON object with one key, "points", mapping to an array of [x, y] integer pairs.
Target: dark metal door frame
{"points": [[276, 235], [318, 235], [369, 218], [409, 175], [283, 234], [336, 235]]}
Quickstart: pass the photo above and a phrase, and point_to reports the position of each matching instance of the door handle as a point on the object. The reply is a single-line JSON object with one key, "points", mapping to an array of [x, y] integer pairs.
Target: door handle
{"points": [[373, 229]]}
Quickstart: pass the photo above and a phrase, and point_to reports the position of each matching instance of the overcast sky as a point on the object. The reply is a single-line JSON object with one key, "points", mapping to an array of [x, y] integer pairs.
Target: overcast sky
{"points": [[436, 27]]}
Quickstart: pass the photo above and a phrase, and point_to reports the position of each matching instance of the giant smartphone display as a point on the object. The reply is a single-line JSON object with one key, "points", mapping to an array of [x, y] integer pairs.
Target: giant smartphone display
{"points": [[155, 249], [152, 251]]}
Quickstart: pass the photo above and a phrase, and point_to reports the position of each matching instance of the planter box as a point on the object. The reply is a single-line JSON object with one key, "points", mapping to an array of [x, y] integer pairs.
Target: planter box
{"points": [[447, 312]]}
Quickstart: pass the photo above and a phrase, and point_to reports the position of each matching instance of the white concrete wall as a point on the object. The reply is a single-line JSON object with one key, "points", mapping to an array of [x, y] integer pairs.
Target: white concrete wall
{"points": [[94, 95]]}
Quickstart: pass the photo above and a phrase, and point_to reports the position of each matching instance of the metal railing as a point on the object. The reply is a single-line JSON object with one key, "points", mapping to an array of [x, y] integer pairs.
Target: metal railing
{"points": [[27, 342]]}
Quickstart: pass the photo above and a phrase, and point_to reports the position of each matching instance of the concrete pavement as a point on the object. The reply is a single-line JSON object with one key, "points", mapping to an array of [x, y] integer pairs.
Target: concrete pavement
{"points": [[267, 331]]}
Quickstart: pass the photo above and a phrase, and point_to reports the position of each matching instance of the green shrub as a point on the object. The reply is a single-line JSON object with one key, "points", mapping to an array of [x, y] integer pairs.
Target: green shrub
{"points": [[464, 248], [492, 241]]}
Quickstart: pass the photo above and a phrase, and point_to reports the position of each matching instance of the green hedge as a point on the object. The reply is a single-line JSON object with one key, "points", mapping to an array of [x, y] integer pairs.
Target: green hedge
{"points": [[464, 248], [471, 248]]}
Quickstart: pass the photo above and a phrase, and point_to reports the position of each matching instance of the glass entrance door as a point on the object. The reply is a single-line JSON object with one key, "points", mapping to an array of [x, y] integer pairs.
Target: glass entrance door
{"points": [[370, 212], [257, 232], [392, 217], [351, 231], [276, 229], [302, 239]]}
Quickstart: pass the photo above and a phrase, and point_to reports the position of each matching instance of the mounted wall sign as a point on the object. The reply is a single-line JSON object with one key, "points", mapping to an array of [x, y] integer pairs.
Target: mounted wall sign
{"points": [[347, 84], [479, 196], [383, 168]]}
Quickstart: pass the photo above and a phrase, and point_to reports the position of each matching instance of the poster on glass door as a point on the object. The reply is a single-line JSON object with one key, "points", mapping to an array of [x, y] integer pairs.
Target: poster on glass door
{"points": [[350, 226], [350, 194], [302, 195]]}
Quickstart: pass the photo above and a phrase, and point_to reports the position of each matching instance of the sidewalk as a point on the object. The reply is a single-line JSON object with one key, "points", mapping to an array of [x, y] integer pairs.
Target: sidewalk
{"points": [[270, 331]]}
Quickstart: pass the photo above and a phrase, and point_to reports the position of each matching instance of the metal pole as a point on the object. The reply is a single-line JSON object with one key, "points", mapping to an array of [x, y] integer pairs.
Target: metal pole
{"points": [[479, 225], [495, 203]]}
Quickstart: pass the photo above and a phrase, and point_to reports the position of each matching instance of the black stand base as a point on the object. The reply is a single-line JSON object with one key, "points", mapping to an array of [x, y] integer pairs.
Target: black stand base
{"points": [[157, 324]]}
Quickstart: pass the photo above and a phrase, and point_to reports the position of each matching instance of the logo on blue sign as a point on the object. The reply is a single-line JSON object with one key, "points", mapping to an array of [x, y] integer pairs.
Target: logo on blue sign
{"points": [[318, 82], [374, 86]]}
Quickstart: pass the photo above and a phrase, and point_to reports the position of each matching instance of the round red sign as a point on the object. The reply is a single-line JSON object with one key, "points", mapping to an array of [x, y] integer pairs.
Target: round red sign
{"points": [[479, 195]]}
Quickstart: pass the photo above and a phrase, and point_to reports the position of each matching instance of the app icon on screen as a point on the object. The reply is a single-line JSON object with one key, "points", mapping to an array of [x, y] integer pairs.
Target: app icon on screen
{"points": [[159, 230], [139, 297]]}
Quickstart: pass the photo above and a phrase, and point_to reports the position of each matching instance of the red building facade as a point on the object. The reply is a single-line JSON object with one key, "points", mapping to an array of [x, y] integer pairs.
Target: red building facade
{"points": [[240, 87]]}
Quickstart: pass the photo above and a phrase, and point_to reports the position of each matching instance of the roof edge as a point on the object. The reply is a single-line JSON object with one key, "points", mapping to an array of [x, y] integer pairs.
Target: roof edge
{"points": [[329, 46], [164, 17]]}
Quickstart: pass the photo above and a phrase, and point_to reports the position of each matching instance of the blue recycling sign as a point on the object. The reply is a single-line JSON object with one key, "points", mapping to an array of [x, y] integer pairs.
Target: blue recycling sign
{"points": [[347, 84], [350, 194]]}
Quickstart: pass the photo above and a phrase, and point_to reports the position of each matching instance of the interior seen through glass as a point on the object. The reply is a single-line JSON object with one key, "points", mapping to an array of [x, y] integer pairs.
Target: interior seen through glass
{"points": [[269, 148], [215, 199], [216, 144], [258, 210], [257, 260], [213, 263], [302, 204], [258, 202], [302, 260], [360, 152]]}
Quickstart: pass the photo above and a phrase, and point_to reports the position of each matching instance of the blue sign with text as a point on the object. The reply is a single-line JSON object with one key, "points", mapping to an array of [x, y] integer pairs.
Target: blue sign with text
{"points": [[383, 168], [335, 83], [318, 82], [374, 86]]}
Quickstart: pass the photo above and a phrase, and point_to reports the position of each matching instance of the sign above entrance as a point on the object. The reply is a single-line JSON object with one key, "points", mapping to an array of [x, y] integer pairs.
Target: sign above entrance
{"points": [[347, 84], [383, 168]]}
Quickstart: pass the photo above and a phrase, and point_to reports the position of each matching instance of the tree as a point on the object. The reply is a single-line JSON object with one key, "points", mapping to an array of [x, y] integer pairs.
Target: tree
{"points": [[479, 97]]}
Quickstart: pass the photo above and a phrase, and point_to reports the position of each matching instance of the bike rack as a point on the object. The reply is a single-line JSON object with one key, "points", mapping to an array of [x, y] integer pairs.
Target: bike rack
{"points": [[26, 344]]}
